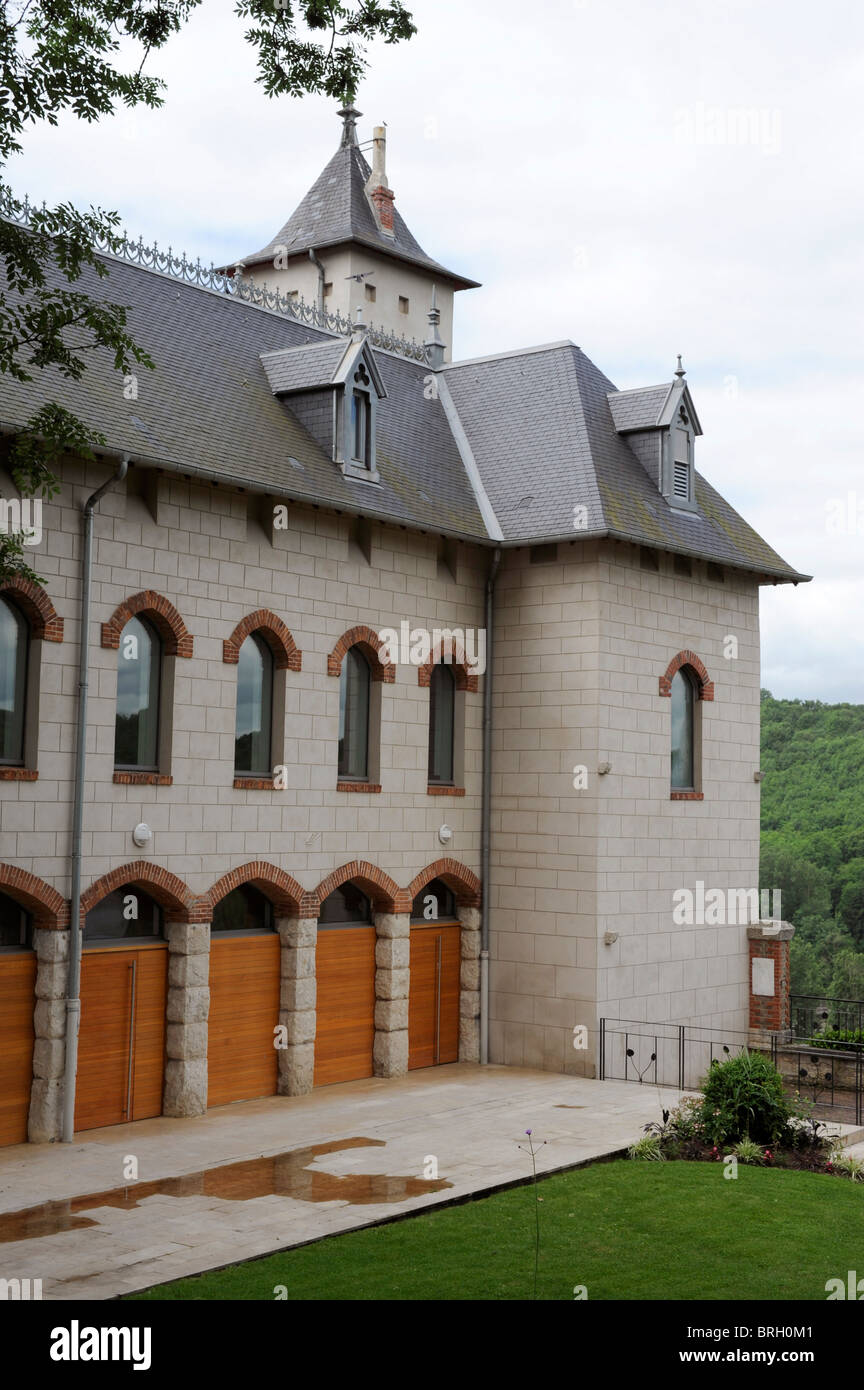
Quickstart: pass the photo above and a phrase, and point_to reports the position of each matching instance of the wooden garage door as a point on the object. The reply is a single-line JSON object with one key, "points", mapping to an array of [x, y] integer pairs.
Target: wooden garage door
{"points": [[242, 1061], [121, 1043], [433, 996], [345, 1031], [17, 981]]}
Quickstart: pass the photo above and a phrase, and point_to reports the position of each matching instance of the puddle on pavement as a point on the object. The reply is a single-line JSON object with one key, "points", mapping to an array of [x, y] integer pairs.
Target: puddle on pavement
{"points": [[569, 1107], [281, 1175]]}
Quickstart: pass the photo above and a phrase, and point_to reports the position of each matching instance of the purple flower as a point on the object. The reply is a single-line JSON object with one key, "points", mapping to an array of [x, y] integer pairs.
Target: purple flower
{"points": [[528, 1131]]}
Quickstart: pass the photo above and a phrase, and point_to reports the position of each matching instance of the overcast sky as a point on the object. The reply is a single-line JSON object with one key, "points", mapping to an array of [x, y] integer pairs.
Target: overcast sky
{"points": [[644, 179]]}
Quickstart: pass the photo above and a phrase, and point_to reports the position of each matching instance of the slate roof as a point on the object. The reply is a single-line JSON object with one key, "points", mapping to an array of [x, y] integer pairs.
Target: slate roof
{"points": [[640, 409], [523, 437], [303, 368], [336, 210]]}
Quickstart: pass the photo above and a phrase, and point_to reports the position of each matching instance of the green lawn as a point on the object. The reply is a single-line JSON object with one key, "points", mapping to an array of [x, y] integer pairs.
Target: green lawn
{"points": [[626, 1230]]}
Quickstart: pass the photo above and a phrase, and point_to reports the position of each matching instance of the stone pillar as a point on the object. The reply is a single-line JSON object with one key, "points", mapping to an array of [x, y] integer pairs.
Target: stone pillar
{"points": [[188, 1008], [469, 985], [297, 997], [392, 976], [49, 1050], [770, 1006]]}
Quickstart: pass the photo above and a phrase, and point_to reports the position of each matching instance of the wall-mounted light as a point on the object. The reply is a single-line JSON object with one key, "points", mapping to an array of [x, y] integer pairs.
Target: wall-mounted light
{"points": [[142, 834], [445, 834]]}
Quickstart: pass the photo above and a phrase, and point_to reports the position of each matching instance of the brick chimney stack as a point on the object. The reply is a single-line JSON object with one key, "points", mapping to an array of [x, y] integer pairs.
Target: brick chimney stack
{"points": [[380, 196]]}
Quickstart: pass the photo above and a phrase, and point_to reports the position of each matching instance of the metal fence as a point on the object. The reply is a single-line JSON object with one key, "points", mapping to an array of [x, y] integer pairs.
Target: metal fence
{"points": [[812, 1014]]}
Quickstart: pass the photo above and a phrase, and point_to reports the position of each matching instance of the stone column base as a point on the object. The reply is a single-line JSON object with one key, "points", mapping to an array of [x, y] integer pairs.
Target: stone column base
{"points": [[185, 1088], [45, 1121], [392, 979]]}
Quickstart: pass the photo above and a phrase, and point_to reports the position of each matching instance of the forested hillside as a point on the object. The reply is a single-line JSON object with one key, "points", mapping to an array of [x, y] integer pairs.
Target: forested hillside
{"points": [[813, 837]]}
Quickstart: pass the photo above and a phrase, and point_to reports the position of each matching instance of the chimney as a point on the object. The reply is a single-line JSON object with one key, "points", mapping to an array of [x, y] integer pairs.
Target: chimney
{"points": [[434, 344], [380, 196]]}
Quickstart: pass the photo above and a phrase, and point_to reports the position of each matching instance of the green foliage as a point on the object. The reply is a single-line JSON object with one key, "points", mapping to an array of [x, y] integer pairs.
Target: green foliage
{"points": [[838, 1039], [813, 837], [58, 57], [848, 1163], [748, 1151], [647, 1148], [743, 1098]]}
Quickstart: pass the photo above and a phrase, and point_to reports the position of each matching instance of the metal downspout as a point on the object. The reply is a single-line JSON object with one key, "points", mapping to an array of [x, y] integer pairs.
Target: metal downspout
{"points": [[320, 268], [486, 811], [73, 979]]}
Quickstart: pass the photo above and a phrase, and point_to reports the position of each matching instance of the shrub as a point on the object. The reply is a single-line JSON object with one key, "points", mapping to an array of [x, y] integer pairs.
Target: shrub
{"points": [[850, 1165], [648, 1147], [742, 1098], [838, 1039], [748, 1151]]}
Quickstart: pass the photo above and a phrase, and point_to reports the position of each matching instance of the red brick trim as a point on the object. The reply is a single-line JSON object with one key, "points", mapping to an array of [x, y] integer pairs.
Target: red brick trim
{"points": [[254, 784], [464, 884], [36, 606], [686, 796], [370, 644], [162, 614], [44, 904], [142, 779], [438, 789], [770, 1013], [462, 675], [18, 774], [284, 892], [382, 201], [358, 786], [386, 895], [699, 671], [286, 655], [179, 903]]}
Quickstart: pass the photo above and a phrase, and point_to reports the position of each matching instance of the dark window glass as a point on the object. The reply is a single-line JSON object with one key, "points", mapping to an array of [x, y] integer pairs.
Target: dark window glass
{"points": [[127, 914], [442, 695], [15, 925], [354, 688], [136, 737], [682, 731], [346, 906], [254, 708], [244, 909], [360, 427], [434, 903], [14, 641]]}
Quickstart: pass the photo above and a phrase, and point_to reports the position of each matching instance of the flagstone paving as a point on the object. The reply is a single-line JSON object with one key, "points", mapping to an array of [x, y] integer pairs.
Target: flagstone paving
{"points": [[259, 1176]]}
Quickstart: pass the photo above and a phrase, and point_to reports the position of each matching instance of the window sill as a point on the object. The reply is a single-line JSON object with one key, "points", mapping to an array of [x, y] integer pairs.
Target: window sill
{"points": [[686, 796], [358, 786], [443, 789], [142, 779], [254, 784], [18, 774], [360, 473]]}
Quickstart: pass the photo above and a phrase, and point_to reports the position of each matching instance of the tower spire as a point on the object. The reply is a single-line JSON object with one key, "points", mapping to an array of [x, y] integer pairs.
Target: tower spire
{"points": [[350, 116], [680, 373]]}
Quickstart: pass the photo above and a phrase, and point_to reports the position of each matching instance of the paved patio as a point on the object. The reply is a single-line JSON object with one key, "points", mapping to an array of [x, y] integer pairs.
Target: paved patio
{"points": [[469, 1119]]}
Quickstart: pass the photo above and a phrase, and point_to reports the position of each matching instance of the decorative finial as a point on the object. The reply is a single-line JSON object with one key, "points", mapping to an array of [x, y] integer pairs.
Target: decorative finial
{"points": [[359, 328], [350, 115], [680, 372], [434, 345]]}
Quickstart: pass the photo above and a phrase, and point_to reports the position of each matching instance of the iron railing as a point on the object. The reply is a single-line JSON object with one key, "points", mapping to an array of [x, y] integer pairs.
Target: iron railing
{"points": [[812, 1014], [180, 267]]}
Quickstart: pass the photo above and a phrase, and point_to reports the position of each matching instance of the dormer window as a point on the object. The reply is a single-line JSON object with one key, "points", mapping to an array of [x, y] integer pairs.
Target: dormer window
{"points": [[361, 418], [682, 458]]}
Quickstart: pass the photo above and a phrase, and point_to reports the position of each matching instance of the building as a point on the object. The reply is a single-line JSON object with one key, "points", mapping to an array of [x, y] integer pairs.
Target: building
{"points": [[286, 875]]}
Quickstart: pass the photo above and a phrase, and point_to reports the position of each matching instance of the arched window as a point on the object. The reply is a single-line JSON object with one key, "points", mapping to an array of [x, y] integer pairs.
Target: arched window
{"points": [[354, 690], [683, 731], [346, 906], [139, 669], [14, 644], [434, 903], [243, 909], [127, 914], [442, 706], [254, 708], [15, 925]]}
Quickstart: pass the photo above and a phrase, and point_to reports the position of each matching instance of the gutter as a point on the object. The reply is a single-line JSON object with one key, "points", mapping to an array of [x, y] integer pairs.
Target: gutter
{"points": [[73, 980], [486, 806]]}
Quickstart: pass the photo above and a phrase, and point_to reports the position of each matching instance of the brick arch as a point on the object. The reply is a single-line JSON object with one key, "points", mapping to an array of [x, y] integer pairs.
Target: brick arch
{"points": [[464, 884], [284, 892], [162, 614], [462, 674], [367, 639], [286, 655], [45, 905], [35, 605], [179, 902], [690, 659], [386, 895]]}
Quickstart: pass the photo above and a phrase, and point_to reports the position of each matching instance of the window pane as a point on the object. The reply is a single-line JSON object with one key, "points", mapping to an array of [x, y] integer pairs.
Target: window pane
{"points": [[682, 731], [354, 715], [434, 903], [360, 425], [244, 909], [346, 906], [14, 636], [14, 924], [126, 914], [441, 705], [136, 737], [254, 708]]}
